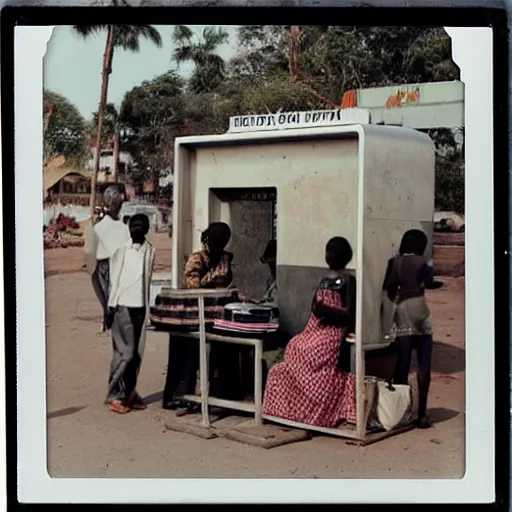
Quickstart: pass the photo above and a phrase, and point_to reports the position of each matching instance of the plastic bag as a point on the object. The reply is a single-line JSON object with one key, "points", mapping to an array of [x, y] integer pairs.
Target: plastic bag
{"points": [[394, 405]]}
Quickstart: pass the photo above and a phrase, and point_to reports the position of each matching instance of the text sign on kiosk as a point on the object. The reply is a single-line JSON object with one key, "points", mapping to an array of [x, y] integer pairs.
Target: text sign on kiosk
{"points": [[294, 120]]}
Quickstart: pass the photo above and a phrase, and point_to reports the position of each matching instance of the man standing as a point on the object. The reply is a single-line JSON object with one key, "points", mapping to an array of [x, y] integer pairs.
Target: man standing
{"points": [[131, 268], [102, 241]]}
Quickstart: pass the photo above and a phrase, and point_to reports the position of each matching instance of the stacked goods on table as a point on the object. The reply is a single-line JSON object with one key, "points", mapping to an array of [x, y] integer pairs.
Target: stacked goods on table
{"points": [[245, 317], [178, 309], [64, 231]]}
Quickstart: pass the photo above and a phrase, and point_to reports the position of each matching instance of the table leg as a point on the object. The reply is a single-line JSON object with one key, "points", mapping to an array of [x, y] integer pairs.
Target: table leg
{"points": [[258, 384], [203, 366]]}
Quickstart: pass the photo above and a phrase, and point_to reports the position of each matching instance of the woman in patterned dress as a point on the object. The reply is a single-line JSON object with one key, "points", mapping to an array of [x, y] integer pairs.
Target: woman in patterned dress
{"points": [[308, 386]]}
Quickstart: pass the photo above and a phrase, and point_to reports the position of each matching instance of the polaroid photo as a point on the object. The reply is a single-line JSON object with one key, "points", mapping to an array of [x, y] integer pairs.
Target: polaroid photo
{"points": [[243, 268]]}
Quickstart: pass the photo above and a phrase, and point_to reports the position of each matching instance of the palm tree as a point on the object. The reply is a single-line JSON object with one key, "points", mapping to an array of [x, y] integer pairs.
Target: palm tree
{"points": [[126, 37], [210, 68], [110, 133]]}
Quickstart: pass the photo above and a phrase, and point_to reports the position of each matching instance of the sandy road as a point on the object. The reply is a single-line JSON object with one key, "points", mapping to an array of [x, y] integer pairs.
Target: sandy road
{"points": [[86, 440]]}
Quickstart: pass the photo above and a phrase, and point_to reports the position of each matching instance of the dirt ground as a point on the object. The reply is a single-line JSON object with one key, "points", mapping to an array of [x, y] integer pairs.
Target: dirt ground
{"points": [[87, 440]]}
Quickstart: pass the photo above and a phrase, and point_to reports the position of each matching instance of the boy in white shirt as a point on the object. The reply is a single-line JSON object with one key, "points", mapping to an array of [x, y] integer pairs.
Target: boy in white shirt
{"points": [[131, 268]]}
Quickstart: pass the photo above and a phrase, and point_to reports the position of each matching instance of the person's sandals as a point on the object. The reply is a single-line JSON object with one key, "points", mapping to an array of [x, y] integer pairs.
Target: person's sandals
{"points": [[118, 407], [185, 408], [173, 405], [136, 403]]}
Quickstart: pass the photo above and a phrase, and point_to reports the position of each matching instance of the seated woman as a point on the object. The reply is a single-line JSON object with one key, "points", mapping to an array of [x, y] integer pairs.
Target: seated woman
{"points": [[211, 266], [208, 268], [308, 385]]}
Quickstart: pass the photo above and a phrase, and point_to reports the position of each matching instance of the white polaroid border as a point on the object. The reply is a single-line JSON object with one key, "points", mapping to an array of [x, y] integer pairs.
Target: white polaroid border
{"points": [[472, 51]]}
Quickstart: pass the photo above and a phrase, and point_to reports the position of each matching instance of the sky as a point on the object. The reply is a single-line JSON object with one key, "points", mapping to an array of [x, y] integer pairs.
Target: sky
{"points": [[72, 65]]}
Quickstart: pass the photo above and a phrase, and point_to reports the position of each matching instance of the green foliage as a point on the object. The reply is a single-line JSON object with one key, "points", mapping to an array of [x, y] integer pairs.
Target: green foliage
{"points": [[66, 132], [332, 59], [449, 169], [152, 115], [209, 67], [126, 37], [273, 95], [336, 59], [110, 124]]}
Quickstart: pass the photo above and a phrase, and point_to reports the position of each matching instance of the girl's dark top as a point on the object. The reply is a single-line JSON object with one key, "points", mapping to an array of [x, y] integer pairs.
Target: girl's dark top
{"points": [[407, 277], [346, 317]]}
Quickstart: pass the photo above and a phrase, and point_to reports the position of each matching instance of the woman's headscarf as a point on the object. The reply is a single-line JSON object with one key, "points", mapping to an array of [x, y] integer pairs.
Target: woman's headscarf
{"points": [[113, 199], [414, 241], [216, 236]]}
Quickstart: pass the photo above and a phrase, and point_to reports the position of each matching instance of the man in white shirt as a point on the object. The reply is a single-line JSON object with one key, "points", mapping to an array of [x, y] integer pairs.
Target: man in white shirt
{"points": [[109, 235], [131, 267]]}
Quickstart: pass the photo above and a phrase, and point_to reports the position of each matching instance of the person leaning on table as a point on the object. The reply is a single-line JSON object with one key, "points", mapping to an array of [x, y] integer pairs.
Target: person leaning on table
{"points": [[209, 267]]}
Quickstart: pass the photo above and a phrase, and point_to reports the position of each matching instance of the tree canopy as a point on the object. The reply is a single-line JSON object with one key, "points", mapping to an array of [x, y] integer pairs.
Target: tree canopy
{"points": [[151, 116], [65, 130], [126, 37], [261, 78], [209, 66]]}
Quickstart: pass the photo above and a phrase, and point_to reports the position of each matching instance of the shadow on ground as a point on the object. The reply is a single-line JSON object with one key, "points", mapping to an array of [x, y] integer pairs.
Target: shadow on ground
{"points": [[153, 398], [441, 414], [446, 359], [65, 412]]}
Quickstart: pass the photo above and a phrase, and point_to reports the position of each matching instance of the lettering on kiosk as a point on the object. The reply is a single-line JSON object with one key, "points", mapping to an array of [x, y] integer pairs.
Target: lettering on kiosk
{"points": [[290, 120]]}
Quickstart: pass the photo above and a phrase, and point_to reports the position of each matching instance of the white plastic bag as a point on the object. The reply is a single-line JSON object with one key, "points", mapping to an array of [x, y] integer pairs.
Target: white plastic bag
{"points": [[394, 404]]}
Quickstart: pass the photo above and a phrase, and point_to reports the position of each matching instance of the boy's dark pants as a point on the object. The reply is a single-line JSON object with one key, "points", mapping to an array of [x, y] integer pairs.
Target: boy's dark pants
{"points": [[423, 345], [124, 369]]}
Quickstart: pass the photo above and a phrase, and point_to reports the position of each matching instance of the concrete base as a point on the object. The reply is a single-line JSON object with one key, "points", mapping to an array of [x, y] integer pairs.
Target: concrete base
{"points": [[265, 436], [235, 428], [191, 424]]}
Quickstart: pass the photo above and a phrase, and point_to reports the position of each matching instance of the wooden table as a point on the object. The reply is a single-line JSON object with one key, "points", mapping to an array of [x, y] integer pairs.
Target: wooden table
{"points": [[204, 399]]}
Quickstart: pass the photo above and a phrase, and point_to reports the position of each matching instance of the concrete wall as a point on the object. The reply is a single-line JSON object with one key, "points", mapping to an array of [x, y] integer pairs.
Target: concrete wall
{"points": [[323, 190], [399, 186], [316, 183]]}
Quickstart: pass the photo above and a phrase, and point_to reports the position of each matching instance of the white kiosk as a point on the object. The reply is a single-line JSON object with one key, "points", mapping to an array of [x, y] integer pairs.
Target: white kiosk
{"points": [[323, 174]]}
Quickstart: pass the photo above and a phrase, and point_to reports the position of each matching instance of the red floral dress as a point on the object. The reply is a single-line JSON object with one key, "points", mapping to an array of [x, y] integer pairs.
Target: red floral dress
{"points": [[308, 387]]}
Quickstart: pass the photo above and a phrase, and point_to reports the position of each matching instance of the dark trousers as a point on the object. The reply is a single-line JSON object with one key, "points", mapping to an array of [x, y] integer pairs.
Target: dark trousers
{"points": [[126, 360], [423, 346], [101, 284], [183, 364]]}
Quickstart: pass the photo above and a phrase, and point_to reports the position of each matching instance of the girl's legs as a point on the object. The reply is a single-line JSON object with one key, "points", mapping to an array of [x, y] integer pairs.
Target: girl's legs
{"points": [[424, 351], [403, 364]]}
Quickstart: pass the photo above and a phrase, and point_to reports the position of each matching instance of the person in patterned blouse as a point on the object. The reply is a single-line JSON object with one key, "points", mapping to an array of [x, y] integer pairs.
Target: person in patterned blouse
{"points": [[211, 266]]}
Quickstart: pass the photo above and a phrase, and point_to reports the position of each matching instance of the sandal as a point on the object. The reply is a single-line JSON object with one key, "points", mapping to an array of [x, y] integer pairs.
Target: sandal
{"points": [[173, 405], [118, 407], [135, 402], [186, 408]]}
